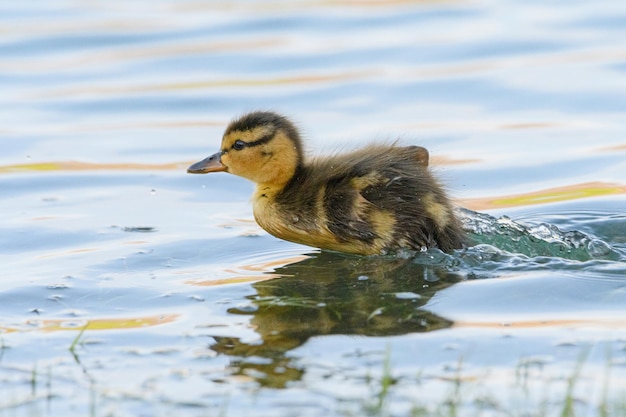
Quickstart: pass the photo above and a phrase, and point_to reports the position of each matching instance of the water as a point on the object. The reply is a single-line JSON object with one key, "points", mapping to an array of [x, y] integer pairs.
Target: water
{"points": [[128, 287]]}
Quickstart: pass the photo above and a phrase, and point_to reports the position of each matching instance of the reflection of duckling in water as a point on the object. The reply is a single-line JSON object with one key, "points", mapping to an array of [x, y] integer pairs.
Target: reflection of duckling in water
{"points": [[332, 294], [366, 202]]}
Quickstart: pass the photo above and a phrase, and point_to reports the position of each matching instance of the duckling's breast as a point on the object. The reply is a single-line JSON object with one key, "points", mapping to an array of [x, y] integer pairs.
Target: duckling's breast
{"points": [[301, 223], [315, 219], [312, 221]]}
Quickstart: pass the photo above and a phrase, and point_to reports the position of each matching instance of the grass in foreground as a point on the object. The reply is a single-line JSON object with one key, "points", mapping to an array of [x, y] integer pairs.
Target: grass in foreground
{"points": [[559, 397]]}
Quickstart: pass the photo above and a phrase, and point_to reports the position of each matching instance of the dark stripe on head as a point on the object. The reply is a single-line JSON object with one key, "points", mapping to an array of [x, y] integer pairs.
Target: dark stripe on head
{"points": [[274, 121], [261, 141]]}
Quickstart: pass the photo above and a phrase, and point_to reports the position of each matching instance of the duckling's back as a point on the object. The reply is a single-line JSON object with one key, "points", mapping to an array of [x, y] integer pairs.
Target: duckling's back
{"points": [[378, 199]]}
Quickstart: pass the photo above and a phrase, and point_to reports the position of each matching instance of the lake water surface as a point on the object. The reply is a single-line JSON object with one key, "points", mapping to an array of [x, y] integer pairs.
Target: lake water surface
{"points": [[129, 288]]}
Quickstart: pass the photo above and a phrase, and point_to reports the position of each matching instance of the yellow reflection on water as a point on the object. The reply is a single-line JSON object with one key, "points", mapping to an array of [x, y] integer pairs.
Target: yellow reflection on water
{"points": [[305, 79], [551, 195], [68, 252], [52, 325], [606, 322], [85, 166], [259, 272], [615, 148]]}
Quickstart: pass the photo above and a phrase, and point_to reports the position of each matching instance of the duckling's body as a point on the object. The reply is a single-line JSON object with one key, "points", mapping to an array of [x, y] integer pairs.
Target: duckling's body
{"points": [[371, 201]]}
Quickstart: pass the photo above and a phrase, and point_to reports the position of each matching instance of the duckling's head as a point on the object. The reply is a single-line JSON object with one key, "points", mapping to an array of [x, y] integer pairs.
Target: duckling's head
{"points": [[263, 147]]}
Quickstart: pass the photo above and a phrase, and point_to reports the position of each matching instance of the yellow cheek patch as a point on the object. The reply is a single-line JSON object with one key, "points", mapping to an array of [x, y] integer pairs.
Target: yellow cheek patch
{"points": [[269, 158]]}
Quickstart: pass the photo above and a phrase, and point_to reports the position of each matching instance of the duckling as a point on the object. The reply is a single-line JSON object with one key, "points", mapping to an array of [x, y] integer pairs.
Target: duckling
{"points": [[375, 200]]}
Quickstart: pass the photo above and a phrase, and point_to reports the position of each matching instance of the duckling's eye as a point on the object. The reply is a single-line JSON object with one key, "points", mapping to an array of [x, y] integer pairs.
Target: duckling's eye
{"points": [[239, 145]]}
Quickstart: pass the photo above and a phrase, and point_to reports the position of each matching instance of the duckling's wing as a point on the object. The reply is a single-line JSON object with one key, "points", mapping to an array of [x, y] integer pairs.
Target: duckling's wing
{"points": [[411, 209], [420, 155], [356, 192], [393, 194], [378, 197], [346, 211]]}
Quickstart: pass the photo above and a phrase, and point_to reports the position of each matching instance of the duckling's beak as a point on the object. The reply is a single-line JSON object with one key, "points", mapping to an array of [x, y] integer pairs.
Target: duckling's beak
{"points": [[211, 164]]}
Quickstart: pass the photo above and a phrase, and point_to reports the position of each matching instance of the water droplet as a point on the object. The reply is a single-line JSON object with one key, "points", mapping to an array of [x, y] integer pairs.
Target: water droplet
{"points": [[598, 248]]}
